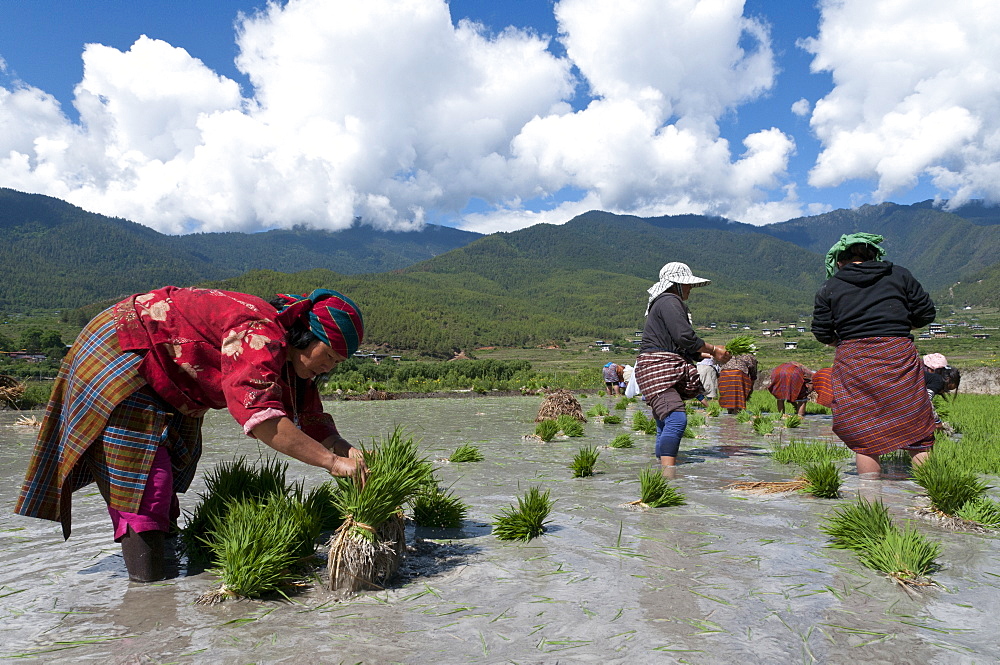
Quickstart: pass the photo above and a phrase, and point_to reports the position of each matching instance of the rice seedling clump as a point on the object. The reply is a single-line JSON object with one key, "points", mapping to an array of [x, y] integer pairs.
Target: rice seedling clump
{"points": [[982, 510], [569, 425], [528, 520], [696, 420], [763, 425], [793, 420], [742, 344], [622, 441], [743, 416], [803, 452], [597, 410], [713, 409], [466, 453], [623, 403], [823, 480], [433, 508], [948, 487], [612, 419], [261, 546], [643, 423], [656, 491], [546, 429], [584, 461], [368, 547], [866, 528]]}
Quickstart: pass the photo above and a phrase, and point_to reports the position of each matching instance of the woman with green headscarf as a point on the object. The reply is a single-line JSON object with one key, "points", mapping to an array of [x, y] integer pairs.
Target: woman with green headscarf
{"points": [[867, 309]]}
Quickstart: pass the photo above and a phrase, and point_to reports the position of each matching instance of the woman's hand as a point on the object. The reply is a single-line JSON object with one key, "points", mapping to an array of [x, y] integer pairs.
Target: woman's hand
{"points": [[345, 467]]}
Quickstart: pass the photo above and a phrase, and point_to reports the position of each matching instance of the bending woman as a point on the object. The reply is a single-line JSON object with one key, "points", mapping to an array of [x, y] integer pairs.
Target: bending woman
{"points": [[665, 369], [866, 309], [790, 382], [736, 380], [127, 406]]}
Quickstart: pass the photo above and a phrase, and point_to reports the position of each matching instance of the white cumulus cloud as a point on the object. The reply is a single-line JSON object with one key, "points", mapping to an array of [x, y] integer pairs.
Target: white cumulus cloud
{"points": [[917, 94], [386, 110]]}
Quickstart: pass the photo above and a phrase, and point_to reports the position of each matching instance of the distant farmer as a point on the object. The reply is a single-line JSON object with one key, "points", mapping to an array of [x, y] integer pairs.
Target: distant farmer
{"points": [[614, 378], [866, 309], [665, 369], [708, 372], [790, 382], [127, 406], [736, 381], [823, 387]]}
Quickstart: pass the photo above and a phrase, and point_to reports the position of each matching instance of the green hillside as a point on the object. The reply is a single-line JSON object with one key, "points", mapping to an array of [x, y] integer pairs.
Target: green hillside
{"points": [[938, 247], [56, 255], [547, 284]]}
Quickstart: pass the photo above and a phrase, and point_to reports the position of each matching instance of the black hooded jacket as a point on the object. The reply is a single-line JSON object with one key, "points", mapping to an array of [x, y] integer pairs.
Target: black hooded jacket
{"points": [[870, 299]]}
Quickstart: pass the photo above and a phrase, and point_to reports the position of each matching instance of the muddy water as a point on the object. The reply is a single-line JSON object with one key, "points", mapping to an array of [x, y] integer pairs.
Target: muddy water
{"points": [[726, 578]]}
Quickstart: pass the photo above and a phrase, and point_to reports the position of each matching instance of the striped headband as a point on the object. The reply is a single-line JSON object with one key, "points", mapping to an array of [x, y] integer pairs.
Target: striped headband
{"points": [[333, 318]]}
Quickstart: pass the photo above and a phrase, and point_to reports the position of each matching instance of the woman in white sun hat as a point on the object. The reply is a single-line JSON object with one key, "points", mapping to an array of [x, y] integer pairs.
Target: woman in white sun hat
{"points": [[665, 369]]}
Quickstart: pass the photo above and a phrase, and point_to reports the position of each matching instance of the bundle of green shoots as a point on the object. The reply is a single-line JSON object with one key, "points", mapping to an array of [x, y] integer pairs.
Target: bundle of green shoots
{"points": [[905, 555], [434, 507], [466, 453], [528, 520], [368, 547], [741, 344], [257, 531], [655, 491]]}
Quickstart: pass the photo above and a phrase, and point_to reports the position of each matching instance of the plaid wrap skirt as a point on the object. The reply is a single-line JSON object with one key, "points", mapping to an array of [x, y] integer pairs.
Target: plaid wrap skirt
{"points": [[735, 387], [880, 401], [103, 424], [659, 371], [822, 385], [788, 382]]}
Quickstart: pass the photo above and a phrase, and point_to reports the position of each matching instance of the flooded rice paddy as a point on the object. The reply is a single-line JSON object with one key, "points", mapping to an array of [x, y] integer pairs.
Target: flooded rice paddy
{"points": [[729, 577]]}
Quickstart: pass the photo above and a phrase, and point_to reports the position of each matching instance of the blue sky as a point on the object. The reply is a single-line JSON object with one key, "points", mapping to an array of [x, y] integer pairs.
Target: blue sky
{"points": [[491, 116]]}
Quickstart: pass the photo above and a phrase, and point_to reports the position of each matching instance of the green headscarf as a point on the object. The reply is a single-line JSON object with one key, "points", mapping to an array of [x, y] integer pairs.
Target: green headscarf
{"points": [[846, 241]]}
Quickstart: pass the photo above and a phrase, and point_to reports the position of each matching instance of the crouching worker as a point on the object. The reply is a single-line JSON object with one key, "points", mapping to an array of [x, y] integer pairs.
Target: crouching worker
{"points": [[127, 406]]}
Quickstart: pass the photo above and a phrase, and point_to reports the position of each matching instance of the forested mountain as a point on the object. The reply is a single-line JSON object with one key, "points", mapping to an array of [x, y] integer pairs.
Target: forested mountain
{"points": [[54, 255], [938, 247], [546, 284]]}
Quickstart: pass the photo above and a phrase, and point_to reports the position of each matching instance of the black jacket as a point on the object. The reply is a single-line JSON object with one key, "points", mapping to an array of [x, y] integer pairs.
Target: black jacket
{"points": [[870, 299], [668, 328]]}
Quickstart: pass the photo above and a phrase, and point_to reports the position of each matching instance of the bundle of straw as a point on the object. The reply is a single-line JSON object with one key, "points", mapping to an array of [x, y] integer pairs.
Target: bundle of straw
{"points": [[366, 550], [558, 403], [11, 390]]}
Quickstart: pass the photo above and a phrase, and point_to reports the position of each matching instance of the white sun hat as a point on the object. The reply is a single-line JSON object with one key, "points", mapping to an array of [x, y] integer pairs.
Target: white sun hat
{"points": [[674, 273]]}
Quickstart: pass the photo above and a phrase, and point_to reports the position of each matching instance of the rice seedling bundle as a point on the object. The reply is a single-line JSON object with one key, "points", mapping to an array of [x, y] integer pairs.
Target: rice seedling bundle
{"points": [[713, 409], [689, 433], [948, 487], [852, 526], [622, 441], [642, 423], [743, 416], [623, 403], [584, 461], [569, 425], [696, 420], [368, 547], [261, 546], [528, 520], [803, 452], [823, 480], [597, 410], [742, 344], [546, 429], [560, 402], [466, 453], [903, 554], [983, 511], [866, 528], [433, 508], [612, 419], [656, 491], [763, 425], [227, 482], [792, 421]]}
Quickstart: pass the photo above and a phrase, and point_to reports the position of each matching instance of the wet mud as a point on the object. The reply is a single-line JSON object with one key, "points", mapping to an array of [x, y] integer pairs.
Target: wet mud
{"points": [[728, 577]]}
